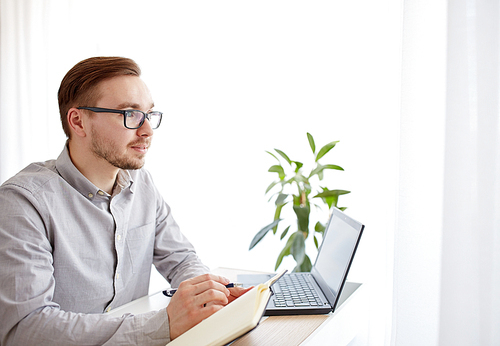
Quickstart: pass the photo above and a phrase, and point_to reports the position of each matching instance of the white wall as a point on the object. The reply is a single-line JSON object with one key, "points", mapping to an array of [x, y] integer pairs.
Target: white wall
{"points": [[234, 80]]}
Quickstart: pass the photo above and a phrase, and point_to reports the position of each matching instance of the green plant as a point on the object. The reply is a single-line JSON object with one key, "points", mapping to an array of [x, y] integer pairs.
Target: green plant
{"points": [[302, 190]]}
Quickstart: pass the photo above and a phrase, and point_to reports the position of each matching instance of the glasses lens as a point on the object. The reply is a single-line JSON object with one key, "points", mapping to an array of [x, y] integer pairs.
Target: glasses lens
{"points": [[133, 119], [154, 119]]}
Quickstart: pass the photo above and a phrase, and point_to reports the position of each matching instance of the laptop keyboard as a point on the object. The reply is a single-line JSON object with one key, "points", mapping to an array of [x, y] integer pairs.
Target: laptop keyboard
{"points": [[295, 290]]}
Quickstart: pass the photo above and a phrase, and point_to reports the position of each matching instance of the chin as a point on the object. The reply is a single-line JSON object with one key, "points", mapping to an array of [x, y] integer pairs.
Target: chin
{"points": [[129, 164], [133, 167]]}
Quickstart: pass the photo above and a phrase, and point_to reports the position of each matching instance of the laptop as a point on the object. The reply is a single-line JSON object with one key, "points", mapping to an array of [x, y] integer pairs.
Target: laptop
{"points": [[317, 292]]}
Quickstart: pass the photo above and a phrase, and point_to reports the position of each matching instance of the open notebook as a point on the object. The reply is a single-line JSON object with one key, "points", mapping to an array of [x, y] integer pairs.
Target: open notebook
{"points": [[232, 321]]}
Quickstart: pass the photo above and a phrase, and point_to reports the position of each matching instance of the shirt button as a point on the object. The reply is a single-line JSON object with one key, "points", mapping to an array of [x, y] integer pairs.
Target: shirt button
{"points": [[91, 195], [119, 237], [100, 193], [108, 309], [117, 276]]}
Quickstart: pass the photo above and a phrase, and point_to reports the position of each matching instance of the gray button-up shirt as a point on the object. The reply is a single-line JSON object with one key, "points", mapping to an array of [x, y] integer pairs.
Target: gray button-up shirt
{"points": [[69, 252]]}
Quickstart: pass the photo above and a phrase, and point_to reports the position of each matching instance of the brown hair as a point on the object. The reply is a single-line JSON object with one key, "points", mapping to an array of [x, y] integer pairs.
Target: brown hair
{"points": [[79, 86]]}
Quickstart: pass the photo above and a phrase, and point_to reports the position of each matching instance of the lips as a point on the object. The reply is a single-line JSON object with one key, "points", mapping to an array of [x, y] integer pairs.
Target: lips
{"points": [[141, 147]]}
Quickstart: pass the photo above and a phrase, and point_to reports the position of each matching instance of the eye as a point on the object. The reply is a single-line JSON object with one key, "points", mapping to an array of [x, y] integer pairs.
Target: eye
{"points": [[133, 118], [133, 114]]}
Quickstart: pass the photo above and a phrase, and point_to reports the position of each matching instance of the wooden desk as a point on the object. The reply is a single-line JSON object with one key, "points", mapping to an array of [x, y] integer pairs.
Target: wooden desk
{"points": [[338, 328]]}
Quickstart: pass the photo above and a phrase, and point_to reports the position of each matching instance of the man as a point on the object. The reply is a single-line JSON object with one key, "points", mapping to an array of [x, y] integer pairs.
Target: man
{"points": [[78, 234]]}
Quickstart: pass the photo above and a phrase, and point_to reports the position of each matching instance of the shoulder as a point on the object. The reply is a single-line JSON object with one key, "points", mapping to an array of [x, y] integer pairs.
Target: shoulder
{"points": [[33, 177]]}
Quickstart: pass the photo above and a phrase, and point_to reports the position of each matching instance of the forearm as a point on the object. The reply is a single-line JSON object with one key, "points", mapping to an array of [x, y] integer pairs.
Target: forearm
{"points": [[51, 326], [187, 266]]}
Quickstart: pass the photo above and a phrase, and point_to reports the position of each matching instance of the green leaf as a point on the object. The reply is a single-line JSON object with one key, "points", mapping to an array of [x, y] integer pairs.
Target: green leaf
{"points": [[298, 248], [331, 197], [299, 178], [298, 166], [284, 252], [320, 168], [307, 186], [272, 196], [285, 156], [329, 193], [302, 213], [283, 235], [323, 151], [278, 169], [270, 153], [273, 184], [333, 167], [281, 199], [262, 233], [316, 170], [304, 267], [311, 142], [319, 227], [316, 242], [277, 213]]}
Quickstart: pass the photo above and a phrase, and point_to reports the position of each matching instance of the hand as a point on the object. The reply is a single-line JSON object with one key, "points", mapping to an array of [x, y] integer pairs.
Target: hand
{"points": [[237, 292], [195, 300]]}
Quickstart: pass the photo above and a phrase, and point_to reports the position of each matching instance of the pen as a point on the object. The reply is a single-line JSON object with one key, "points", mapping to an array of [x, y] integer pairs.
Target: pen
{"points": [[170, 292]]}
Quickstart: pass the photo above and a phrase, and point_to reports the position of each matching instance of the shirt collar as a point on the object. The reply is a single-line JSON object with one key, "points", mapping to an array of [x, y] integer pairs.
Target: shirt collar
{"points": [[123, 180], [79, 182]]}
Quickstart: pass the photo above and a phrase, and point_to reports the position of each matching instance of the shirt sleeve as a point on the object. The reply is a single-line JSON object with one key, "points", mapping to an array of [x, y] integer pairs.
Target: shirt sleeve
{"points": [[174, 256], [27, 313], [51, 326]]}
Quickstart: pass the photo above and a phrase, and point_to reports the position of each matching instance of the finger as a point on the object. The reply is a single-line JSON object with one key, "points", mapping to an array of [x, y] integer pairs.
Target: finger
{"points": [[208, 310], [211, 296], [238, 291], [200, 284], [210, 285], [212, 303], [207, 277]]}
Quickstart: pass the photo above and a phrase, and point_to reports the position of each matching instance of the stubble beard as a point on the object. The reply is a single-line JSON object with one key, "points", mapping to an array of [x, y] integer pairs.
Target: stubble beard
{"points": [[105, 149]]}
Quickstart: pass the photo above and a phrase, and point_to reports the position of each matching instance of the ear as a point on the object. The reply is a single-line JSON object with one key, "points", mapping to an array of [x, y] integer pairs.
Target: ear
{"points": [[76, 122]]}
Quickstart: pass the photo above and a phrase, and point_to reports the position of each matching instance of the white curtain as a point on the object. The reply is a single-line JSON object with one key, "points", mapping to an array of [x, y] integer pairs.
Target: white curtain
{"points": [[30, 38], [447, 240], [417, 237], [470, 289]]}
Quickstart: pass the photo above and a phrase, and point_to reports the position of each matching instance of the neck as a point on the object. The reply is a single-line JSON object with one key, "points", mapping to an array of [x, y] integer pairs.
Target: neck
{"points": [[97, 170]]}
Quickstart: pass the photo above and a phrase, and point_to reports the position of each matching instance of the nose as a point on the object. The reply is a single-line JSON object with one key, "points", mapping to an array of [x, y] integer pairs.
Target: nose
{"points": [[145, 130]]}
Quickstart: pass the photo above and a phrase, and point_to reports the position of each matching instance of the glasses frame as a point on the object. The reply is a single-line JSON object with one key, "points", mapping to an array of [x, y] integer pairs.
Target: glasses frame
{"points": [[124, 112]]}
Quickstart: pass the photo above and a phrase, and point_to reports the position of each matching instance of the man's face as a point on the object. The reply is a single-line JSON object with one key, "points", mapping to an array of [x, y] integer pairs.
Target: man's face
{"points": [[110, 139]]}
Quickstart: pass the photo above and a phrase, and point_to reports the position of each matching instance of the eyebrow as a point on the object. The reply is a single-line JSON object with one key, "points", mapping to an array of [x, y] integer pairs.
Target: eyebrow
{"points": [[131, 105]]}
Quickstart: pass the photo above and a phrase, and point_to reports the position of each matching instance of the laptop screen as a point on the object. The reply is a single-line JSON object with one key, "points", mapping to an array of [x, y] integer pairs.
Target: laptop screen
{"points": [[339, 243]]}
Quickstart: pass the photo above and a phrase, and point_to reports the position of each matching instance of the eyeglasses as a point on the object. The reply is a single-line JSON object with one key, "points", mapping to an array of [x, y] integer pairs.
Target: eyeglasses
{"points": [[132, 119]]}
